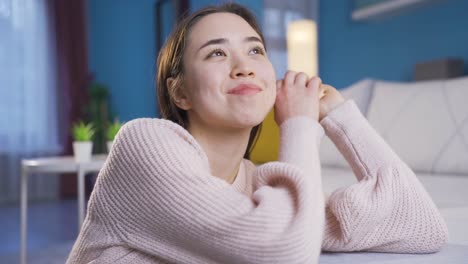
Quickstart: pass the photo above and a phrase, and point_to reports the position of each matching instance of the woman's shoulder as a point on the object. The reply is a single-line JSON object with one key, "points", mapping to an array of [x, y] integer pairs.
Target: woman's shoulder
{"points": [[152, 124], [156, 128], [158, 135]]}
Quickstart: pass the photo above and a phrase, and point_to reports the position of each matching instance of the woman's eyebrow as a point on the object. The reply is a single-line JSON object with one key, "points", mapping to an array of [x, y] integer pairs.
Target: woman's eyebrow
{"points": [[253, 39], [214, 42], [224, 40]]}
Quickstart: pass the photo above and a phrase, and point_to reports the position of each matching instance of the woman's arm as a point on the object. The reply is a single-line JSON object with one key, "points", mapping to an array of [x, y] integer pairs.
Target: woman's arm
{"points": [[157, 193], [388, 210]]}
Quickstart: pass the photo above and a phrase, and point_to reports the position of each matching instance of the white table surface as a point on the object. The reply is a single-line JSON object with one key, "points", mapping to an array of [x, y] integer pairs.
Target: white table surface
{"points": [[62, 164], [450, 254]]}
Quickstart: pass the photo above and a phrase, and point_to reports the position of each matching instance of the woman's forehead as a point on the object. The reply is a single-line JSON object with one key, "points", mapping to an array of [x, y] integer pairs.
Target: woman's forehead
{"points": [[220, 25]]}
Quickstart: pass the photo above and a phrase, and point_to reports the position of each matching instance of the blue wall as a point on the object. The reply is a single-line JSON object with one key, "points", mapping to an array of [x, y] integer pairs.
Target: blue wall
{"points": [[122, 54], [122, 51], [389, 48]]}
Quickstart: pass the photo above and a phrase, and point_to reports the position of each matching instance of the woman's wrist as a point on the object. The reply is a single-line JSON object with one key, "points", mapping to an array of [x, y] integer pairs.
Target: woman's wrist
{"points": [[330, 100], [299, 136], [327, 108]]}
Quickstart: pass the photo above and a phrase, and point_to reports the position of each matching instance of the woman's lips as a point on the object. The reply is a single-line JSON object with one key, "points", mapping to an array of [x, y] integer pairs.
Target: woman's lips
{"points": [[245, 89]]}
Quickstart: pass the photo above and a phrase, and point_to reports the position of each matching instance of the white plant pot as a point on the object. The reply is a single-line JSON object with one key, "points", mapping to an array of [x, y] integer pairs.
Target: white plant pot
{"points": [[82, 150], [109, 146]]}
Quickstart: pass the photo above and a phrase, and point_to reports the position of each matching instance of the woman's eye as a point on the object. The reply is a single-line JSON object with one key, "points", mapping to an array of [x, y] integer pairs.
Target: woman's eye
{"points": [[257, 50], [217, 53]]}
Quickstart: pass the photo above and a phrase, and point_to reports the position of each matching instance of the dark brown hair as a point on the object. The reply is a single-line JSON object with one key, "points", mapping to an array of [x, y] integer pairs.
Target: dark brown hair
{"points": [[170, 64]]}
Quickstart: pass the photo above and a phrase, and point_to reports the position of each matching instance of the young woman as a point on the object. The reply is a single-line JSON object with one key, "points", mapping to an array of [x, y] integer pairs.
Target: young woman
{"points": [[180, 190]]}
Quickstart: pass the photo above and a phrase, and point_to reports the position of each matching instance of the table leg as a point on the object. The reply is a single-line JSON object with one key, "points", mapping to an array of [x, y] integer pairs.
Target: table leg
{"points": [[81, 196], [24, 205]]}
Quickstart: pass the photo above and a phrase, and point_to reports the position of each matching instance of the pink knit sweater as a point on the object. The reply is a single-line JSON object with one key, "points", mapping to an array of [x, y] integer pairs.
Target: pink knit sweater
{"points": [[155, 200]]}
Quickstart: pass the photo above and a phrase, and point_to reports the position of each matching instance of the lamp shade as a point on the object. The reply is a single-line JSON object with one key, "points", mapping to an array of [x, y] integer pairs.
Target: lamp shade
{"points": [[302, 47]]}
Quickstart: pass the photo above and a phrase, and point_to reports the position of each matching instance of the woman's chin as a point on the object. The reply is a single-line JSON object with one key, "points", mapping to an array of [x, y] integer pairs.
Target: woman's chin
{"points": [[249, 121]]}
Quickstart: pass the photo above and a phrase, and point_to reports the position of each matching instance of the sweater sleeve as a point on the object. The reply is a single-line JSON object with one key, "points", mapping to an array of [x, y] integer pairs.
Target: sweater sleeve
{"points": [[157, 193], [388, 209]]}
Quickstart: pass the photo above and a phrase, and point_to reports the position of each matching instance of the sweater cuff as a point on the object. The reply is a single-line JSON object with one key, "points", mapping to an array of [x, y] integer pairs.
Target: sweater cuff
{"points": [[347, 115], [364, 149], [299, 140]]}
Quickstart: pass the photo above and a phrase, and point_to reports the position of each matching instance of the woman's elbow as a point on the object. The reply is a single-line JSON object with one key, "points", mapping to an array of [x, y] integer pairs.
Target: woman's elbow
{"points": [[439, 238], [434, 239]]}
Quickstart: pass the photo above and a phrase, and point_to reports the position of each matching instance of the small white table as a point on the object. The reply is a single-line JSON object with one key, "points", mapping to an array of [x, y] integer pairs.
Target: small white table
{"points": [[64, 164]]}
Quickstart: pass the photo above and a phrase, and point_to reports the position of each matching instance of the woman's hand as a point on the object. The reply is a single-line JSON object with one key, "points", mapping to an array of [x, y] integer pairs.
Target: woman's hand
{"points": [[297, 96], [330, 98]]}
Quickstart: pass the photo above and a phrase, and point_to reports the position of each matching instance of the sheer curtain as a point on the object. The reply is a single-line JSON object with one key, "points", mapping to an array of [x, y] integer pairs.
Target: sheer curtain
{"points": [[28, 101]]}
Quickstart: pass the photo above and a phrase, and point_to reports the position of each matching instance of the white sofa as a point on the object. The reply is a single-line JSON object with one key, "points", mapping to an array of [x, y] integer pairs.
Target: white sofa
{"points": [[426, 124]]}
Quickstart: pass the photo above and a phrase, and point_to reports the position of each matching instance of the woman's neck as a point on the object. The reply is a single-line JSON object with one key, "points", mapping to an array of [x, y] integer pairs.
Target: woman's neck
{"points": [[225, 149]]}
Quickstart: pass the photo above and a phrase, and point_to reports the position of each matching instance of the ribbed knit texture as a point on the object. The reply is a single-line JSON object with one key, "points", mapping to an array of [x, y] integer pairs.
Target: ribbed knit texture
{"points": [[156, 201], [388, 210]]}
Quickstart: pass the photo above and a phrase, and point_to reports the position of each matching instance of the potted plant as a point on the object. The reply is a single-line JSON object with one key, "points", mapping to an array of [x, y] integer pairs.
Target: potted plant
{"points": [[111, 132], [82, 144]]}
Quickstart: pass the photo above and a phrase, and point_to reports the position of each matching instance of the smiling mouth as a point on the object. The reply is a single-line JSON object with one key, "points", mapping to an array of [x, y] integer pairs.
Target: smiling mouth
{"points": [[245, 89]]}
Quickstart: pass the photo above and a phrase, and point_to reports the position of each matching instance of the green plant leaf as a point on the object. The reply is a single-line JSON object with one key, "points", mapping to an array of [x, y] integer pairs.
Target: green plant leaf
{"points": [[82, 131], [113, 129]]}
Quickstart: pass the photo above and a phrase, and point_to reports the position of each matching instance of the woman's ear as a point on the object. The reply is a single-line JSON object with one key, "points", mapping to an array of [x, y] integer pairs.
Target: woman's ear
{"points": [[178, 94]]}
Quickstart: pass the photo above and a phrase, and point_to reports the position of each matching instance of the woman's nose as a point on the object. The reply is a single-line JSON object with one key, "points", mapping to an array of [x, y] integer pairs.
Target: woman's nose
{"points": [[241, 68]]}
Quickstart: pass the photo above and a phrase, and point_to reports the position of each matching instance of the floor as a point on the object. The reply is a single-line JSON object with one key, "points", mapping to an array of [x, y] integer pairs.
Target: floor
{"points": [[52, 229], [51, 224]]}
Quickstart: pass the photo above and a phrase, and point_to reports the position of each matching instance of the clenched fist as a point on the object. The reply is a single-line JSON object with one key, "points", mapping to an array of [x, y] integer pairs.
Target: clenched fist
{"points": [[330, 98], [297, 95]]}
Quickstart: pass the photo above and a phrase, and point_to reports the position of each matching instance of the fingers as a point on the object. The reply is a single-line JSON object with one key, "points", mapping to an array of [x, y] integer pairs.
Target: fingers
{"points": [[314, 86], [314, 82], [322, 90], [297, 96], [279, 83], [279, 89], [327, 89], [301, 79], [292, 78], [289, 78]]}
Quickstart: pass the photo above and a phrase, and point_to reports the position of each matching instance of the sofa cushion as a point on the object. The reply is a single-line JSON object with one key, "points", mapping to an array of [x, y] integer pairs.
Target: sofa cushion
{"points": [[267, 145], [361, 93], [426, 123]]}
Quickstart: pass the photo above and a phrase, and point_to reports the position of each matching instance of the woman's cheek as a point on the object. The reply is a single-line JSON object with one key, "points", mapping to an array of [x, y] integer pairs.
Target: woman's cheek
{"points": [[272, 94]]}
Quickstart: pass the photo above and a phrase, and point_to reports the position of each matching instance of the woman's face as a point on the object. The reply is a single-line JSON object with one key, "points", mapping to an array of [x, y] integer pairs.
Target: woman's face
{"points": [[228, 81]]}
